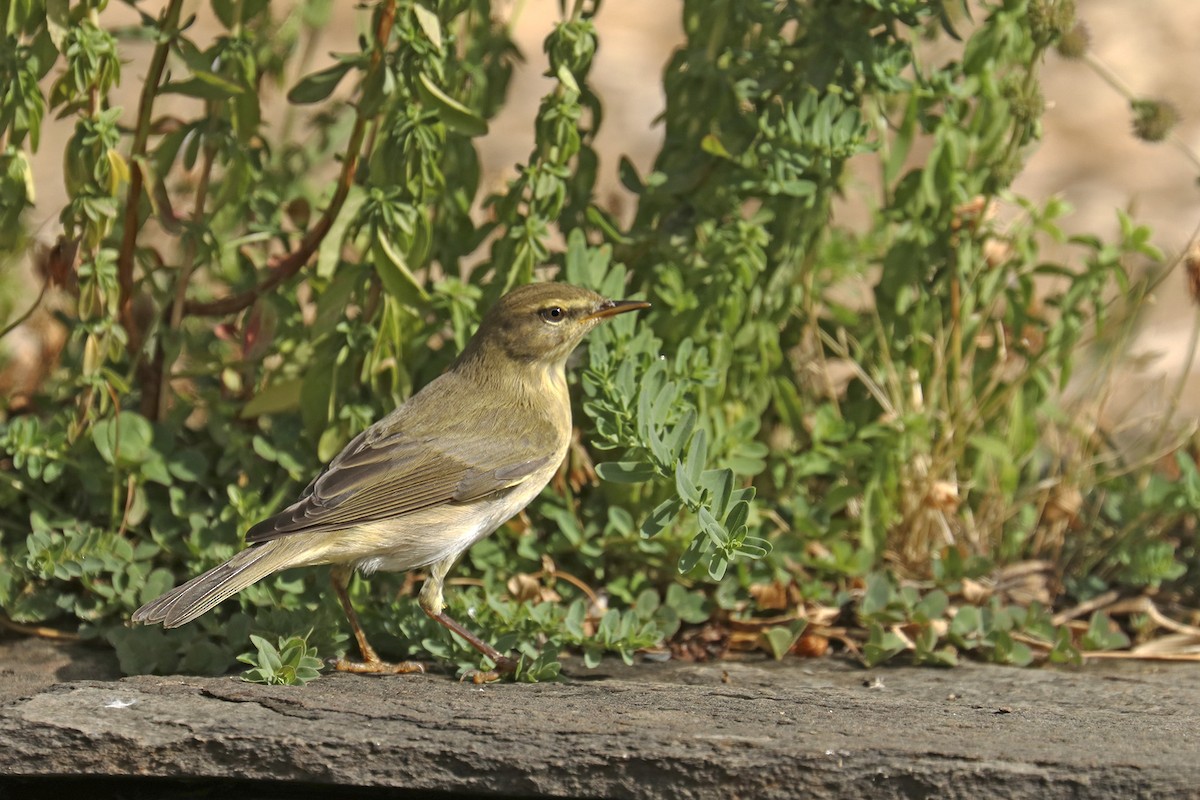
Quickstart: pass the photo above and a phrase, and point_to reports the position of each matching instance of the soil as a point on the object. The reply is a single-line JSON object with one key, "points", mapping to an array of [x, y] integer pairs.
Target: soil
{"points": [[801, 728]]}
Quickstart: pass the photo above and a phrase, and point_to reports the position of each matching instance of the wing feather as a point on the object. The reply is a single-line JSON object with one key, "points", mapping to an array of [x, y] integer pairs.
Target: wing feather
{"points": [[379, 477]]}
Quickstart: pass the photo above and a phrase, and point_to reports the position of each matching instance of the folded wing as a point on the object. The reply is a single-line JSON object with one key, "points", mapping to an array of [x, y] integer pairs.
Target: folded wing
{"points": [[376, 478]]}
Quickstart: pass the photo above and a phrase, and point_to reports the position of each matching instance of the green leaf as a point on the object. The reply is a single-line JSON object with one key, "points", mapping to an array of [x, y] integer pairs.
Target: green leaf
{"points": [[787, 403], [1102, 634], [877, 597], [330, 443], [739, 513], [1190, 477], [692, 607], [932, 606], [779, 639], [697, 456], [567, 79], [881, 646], [927, 651], [205, 658], [608, 226], [123, 440], [717, 565], [276, 398], [712, 145], [429, 23], [662, 516], [392, 268], [205, 86], [715, 530], [154, 468], [592, 655], [753, 547], [58, 22], [967, 622], [628, 175], [678, 437], [330, 253], [901, 144], [658, 448], [316, 87], [626, 471], [316, 13], [454, 114], [1064, 650], [187, 465], [684, 487], [696, 550]]}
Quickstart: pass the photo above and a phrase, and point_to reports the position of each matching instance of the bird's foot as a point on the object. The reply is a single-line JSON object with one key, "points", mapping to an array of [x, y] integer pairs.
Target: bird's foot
{"points": [[504, 666], [377, 667]]}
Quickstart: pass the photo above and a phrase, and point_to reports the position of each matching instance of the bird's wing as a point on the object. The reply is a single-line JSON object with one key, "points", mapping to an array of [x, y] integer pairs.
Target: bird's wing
{"points": [[383, 478]]}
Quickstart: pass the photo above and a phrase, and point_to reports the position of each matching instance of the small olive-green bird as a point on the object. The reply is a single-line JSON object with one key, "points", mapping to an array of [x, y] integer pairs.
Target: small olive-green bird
{"points": [[423, 484]]}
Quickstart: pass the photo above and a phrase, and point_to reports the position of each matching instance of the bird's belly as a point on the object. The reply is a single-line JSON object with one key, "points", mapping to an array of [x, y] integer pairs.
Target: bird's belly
{"points": [[429, 536]]}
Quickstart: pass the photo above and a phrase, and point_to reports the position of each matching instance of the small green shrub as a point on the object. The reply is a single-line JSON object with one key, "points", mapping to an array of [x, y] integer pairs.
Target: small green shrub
{"points": [[292, 663], [245, 297]]}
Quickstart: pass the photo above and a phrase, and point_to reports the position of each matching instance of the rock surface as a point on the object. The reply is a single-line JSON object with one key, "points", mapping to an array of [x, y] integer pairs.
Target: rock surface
{"points": [[763, 730]]}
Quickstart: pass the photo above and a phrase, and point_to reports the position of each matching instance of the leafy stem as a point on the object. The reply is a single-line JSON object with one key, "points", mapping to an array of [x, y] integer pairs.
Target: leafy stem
{"points": [[283, 266]]}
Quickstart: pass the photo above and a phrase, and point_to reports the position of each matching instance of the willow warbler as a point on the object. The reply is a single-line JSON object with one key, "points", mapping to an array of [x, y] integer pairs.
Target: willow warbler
{"points": [[423, 484]]}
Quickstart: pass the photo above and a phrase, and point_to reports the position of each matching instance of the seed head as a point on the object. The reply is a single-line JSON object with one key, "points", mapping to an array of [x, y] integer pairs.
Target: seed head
{"points": [[1050, 20], [1076, 42], [1191, 271], [1153, 119]]}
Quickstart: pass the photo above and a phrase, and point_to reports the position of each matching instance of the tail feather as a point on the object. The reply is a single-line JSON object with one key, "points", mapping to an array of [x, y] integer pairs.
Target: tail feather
{"points": [[186, 602]]}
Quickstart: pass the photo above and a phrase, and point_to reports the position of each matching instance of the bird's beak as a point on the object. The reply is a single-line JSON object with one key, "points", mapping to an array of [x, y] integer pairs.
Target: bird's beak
{"points": [[610, 308]]}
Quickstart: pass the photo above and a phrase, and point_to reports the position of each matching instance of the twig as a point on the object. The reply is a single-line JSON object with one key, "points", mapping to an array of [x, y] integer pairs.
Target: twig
{"points": [[130, 495], [571, 579], [1170, 643], [1144, 605], [16, 323], [1097, 602], [456, 581], [1129, 655], [40, 631], [1032, 641]]}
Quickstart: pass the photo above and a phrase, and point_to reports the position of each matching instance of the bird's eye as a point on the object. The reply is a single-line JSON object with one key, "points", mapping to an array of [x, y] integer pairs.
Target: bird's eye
{"points": [[553, 314]]}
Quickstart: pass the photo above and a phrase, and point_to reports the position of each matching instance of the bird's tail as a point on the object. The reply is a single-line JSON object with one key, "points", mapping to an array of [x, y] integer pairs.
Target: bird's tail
{"points": [[186, 602]]}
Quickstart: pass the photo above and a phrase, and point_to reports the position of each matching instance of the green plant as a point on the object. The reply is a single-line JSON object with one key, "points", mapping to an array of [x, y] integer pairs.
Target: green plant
{"points": [[905, 618], [242, 300], [291, 663]]}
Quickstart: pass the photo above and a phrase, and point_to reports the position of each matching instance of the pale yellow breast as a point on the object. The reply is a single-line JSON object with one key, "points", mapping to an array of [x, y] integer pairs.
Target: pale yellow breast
{"points": [[431, 535]]}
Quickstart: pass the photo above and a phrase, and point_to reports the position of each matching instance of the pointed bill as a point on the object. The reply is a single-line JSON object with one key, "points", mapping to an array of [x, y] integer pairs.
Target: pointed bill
{"points": [[610, 308]]}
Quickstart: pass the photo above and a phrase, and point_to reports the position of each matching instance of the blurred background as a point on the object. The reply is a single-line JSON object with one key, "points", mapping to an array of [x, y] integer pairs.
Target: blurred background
{"points": [[1088, 155]]}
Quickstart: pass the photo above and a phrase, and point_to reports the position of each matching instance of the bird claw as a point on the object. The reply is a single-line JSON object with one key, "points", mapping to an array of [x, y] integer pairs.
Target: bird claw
{"points": [[505, 666], [480, 677], [377, 667]]}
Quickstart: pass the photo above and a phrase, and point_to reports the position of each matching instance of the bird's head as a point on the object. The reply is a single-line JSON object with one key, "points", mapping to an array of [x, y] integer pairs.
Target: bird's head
{"points": [[541, 323]]}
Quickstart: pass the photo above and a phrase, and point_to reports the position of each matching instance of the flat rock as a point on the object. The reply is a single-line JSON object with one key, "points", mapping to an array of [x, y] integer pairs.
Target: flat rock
{"points": [[764, 730]]}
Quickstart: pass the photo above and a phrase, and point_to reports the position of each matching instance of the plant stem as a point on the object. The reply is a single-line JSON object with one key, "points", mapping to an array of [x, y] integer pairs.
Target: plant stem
{"points": [[285, 265], [168, 29], [16, 323]]}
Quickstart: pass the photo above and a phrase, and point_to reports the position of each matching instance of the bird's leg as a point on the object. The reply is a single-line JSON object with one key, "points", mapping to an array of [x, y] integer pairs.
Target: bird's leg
{"points": [[432, 604], [371, 662]]}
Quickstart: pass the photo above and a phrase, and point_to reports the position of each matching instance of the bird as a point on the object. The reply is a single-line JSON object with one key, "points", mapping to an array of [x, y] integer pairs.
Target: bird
{"points": [[444, 469]]}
